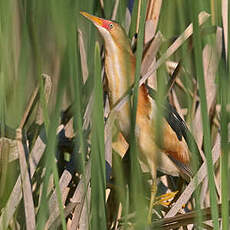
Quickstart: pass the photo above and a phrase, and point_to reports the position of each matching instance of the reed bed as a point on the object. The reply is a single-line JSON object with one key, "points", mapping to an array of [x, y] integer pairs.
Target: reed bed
{"points": [[62, 160]]}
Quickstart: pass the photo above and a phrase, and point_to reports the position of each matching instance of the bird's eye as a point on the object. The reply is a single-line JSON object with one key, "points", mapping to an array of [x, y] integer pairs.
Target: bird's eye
{"points": [[110, 26]]}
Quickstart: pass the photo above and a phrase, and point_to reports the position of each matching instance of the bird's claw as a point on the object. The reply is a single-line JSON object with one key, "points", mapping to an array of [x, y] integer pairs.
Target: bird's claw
{"points": [[164, 199]]}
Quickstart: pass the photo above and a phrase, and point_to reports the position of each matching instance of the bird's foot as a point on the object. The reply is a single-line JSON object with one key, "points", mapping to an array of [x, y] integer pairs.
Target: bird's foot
{"points": [[164, 199]]}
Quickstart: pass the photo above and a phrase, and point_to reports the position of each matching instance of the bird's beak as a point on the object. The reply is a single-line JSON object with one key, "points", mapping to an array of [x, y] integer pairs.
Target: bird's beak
{"points": [[97, 21]]}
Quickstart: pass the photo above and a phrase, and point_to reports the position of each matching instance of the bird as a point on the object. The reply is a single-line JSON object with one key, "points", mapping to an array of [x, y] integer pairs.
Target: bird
{"points": [[173, 156]]}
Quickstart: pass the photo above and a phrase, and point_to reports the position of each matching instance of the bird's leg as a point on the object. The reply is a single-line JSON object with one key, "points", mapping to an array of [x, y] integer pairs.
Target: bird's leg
{"points": [[160, 200], [152, 199]]}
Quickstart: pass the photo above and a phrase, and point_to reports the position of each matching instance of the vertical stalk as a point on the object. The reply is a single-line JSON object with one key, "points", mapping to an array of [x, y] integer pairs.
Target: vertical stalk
{"points": [[135, 177], [204, 112]]}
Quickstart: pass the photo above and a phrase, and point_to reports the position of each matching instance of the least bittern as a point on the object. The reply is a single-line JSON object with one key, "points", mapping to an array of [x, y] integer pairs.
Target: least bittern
{"points": [[120, 65]]}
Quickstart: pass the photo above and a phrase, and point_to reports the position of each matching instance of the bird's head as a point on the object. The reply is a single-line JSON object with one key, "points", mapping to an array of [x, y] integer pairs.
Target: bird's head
{"points": [[111, 32]]}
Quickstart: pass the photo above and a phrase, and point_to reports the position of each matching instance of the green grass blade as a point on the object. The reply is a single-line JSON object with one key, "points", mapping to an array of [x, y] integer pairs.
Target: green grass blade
{"points": [[224, 97], [204, 112], [136, 187], [50, 163], [98, 216], [132, 29]]}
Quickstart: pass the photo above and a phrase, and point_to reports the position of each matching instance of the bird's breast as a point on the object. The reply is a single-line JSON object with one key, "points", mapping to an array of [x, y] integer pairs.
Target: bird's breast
{"points": [[120, 69]]}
